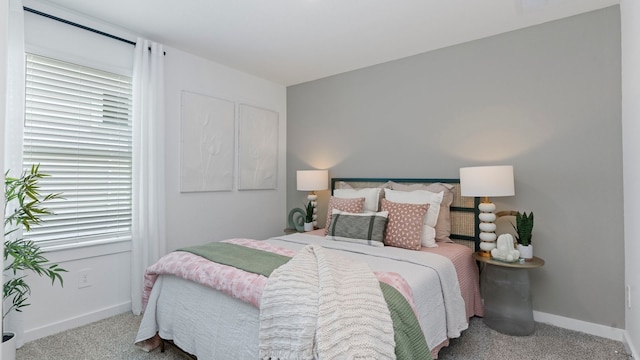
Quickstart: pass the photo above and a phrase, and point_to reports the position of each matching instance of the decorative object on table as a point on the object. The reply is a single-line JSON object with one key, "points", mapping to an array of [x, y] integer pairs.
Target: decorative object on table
{"points": [[312, 181], [523, 228], [505, 250], [486, 181], [23, 209], [296, 219], [310, 210]]}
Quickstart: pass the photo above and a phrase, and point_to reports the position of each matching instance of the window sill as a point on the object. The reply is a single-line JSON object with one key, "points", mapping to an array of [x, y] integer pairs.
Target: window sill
{"points": [[86, 249]]}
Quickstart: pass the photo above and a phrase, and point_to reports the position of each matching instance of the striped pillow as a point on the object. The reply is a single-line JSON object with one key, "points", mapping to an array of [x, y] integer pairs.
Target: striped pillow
{"points": [[362, 228], [349, 205]]}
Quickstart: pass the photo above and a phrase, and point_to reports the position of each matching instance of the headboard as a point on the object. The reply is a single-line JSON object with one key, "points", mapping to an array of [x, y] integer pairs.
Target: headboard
{"points": [[464, 210]]}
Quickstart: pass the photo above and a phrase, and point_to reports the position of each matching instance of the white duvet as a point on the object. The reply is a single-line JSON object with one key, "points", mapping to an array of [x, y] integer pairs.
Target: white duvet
{"points": [[212, 325]]}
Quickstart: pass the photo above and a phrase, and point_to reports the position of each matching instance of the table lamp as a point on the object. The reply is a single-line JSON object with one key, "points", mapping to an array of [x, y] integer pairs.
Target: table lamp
{"points": [[312, 181], [486, 181]]}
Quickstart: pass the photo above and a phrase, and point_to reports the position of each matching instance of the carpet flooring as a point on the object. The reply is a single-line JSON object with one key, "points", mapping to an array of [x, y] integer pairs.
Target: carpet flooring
{"points": [[112, 339]]}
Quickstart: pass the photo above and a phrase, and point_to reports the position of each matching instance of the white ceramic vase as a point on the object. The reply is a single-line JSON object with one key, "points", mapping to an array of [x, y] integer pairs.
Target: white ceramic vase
{"points": [[308, 226], [8, 346], [526, 252]]}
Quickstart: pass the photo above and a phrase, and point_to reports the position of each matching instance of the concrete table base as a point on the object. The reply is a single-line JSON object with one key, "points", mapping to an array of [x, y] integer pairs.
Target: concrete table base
{"points": [[507, 300]]}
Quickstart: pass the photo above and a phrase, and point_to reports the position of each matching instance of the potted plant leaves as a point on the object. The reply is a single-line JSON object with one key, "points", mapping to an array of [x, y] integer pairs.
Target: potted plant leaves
{"points": [[308, 217], [524, 228], [23, 209]]}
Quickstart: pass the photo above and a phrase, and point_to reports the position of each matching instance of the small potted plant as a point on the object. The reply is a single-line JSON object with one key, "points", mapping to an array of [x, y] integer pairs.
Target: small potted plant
{"points": [[523, 228], [23, 208], [308, 217]]}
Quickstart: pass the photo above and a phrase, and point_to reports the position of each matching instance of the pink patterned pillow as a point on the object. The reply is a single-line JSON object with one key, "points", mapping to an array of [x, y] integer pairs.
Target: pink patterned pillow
{"points": [[404, 228], [349, 205], [443, 225]]}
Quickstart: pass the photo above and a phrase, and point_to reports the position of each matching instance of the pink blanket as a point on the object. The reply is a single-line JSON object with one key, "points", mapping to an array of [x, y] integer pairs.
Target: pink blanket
{"points": [[238, 283]]}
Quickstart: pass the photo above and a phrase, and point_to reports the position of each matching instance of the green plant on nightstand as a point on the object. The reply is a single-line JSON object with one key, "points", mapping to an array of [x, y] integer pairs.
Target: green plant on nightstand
{"points": [[308, 215], [524, 228]]}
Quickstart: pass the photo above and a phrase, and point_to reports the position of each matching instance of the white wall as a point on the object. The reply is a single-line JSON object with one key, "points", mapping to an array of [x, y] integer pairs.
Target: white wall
{"points": [[194, 218], [55, 308], [4, 13], [630, 24], [191, 218]]}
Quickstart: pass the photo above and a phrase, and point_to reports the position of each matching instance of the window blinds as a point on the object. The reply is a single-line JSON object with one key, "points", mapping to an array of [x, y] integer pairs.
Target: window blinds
{"points": [[78, 128]]}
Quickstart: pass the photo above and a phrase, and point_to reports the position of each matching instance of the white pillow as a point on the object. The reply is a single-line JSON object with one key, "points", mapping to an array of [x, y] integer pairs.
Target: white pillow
{"points": [[428, 237], [418, 197], [371, 196]]}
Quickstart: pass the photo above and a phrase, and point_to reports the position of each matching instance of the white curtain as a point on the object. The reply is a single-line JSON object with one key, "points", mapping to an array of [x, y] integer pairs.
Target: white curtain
{"points": [[14, 125], [148, 225], [15, 89]]}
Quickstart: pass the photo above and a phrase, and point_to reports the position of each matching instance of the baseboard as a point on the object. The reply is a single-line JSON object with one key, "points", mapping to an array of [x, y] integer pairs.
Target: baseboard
{"points": [[74, 322], [630, 346], [579, 325], [555, 320]]}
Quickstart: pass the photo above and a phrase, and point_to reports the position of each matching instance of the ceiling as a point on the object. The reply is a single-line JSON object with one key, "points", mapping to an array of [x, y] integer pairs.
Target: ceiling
{"points": [[294, 41]]}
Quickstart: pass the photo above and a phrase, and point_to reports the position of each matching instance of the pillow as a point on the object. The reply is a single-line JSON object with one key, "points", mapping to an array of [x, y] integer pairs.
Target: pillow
{"points": [[443, 224], [371, 195], [404, 228], [362, 228], [346, 185], [343, 185], [350, 205], [428, 236], [419, 197]]}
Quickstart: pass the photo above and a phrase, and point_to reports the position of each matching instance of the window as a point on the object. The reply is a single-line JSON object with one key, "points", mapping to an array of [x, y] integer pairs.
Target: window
{"points": [[78, 128]]}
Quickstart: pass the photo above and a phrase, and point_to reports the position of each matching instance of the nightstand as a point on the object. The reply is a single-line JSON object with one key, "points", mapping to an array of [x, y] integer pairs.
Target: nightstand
{"points": [[506, 294]]}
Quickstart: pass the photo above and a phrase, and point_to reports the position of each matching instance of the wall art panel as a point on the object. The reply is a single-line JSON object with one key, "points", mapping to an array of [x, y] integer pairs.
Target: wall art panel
{"points": [[206, 143], [257, 148]]}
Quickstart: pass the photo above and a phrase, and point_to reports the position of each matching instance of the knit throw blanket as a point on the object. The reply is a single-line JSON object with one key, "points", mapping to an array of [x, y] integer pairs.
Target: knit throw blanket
{"points": [[314, 302]]}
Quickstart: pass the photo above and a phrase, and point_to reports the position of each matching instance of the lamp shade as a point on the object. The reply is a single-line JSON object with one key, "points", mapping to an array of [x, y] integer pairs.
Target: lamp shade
{"points": [[312, 180], [487, 181]]}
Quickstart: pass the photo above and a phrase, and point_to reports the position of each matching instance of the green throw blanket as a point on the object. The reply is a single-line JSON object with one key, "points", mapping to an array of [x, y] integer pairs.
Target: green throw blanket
{"points": [[410, 341], [240, 257]]}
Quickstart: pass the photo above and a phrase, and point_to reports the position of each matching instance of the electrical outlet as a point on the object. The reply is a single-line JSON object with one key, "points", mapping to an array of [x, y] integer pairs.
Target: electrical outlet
{"points": [[628, 288], [84, 280]]}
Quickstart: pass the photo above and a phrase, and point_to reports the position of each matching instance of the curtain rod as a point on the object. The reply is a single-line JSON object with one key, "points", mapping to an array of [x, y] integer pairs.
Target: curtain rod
{"points": [[78, 25]]}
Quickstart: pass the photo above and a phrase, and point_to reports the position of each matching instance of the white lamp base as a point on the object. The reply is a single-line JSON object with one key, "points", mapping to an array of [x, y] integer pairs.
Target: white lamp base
{"points": [[313, 197], [487, 227]]}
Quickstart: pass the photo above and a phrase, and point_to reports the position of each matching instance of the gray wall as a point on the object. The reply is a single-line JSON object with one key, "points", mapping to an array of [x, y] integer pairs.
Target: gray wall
{"points": [[545, 99], [630, 18]]}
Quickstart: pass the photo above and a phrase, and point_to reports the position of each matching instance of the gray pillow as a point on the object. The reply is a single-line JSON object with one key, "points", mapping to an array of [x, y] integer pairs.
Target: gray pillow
{"points": [[362, 228]]}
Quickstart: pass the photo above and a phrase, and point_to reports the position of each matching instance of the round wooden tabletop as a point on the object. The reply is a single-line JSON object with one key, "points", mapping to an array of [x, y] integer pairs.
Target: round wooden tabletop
{"points": [[536, 262]]}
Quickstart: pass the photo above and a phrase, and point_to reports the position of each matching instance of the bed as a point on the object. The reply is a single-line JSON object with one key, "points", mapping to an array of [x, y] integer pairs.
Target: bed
{"points": [[440, 277]]}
